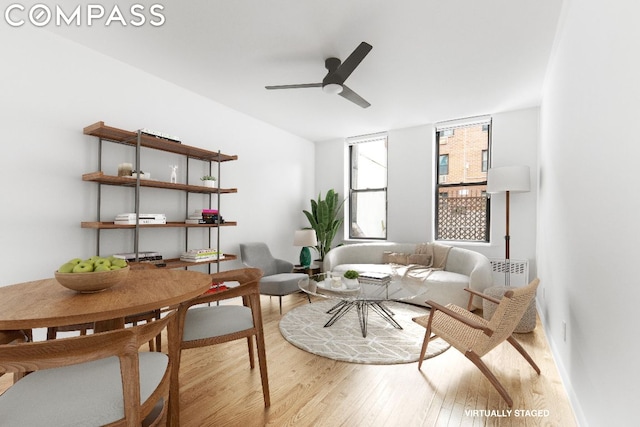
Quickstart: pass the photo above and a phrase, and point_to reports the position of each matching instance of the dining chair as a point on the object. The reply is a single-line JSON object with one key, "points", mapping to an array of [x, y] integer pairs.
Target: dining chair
{"points": [[203, 322], [96, 379], [278, 278], [474, 336]]}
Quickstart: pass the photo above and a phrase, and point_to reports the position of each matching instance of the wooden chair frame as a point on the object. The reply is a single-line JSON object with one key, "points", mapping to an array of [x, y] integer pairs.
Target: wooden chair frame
{"points": [[473, 321], [123, 343], [249, 290]]}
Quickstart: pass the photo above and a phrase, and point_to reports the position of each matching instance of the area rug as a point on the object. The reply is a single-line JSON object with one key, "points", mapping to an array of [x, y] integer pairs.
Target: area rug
{"points": [[384, 345]]}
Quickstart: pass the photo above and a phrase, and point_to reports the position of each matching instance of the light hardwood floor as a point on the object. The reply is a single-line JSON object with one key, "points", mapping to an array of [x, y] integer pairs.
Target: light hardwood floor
{"points": [[219, 389]]}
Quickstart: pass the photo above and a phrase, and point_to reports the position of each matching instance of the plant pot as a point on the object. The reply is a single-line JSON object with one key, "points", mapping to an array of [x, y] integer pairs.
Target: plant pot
{"points": [[209, 183], [351, 283]]}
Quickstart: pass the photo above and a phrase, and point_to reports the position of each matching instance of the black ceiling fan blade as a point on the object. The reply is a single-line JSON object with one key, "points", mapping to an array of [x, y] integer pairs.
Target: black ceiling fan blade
{"points": [[300, 86], [348, 65], [353, 97]]}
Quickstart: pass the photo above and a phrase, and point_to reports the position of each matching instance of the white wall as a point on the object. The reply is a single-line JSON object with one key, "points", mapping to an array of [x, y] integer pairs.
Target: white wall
{"points": [[52, 88], [411, 186], [588, 227]]}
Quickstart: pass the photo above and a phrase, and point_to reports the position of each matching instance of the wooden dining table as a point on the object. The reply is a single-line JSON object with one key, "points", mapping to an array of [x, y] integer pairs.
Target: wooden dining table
{"points": [[46, 303]]}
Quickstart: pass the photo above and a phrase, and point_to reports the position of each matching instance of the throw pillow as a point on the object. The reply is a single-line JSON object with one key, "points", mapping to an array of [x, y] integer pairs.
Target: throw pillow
{"points": [[394, 258], [421, 259]]}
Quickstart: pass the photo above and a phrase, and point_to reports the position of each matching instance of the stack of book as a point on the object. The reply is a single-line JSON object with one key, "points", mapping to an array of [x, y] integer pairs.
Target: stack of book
{"points": [[130, 219], [375, 278], [201, 255], [204, 216], [142, 256]]}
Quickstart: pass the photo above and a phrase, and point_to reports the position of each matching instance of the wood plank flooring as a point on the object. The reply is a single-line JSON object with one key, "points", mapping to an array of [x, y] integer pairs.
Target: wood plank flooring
{"points": [[219, 389]]}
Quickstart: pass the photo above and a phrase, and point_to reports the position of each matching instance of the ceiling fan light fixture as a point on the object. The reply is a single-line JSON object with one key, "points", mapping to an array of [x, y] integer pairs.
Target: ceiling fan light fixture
{"points": [[332, 88]]}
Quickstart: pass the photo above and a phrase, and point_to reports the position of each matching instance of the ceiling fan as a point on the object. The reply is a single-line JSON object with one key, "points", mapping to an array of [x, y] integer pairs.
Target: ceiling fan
{"points": [[338, 72]]}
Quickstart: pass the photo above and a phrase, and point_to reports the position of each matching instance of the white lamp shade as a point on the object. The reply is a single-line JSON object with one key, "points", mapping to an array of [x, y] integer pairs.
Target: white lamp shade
{"points": [[305, 238], [514, 179]]}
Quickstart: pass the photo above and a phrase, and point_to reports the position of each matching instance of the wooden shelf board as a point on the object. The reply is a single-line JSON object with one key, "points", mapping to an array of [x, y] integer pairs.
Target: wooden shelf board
{"points": [[100, 130], [122, 181], [102, 225]]}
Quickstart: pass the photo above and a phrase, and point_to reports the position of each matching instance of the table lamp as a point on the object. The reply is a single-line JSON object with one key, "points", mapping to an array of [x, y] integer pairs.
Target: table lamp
{"points": [[305, 238], [508, 179]]}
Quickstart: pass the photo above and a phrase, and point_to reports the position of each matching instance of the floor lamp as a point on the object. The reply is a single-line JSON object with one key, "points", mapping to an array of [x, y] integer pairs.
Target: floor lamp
{"points": [[508, 179]]}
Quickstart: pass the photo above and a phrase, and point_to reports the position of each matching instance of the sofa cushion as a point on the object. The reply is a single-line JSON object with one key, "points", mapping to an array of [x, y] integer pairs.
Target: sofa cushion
{"points": [[364, 268]]}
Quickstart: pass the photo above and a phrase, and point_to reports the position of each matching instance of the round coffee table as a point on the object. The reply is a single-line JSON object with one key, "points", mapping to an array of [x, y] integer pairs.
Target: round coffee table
{"points": [[367, 293]]}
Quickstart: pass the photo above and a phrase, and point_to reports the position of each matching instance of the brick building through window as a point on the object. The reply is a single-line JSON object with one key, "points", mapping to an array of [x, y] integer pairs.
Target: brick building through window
{"points": [[462, 206]]}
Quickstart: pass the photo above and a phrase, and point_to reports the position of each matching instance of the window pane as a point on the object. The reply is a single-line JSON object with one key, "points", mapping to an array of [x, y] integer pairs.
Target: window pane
{"points": [[464, 152], [369, 164], [369, 214]]}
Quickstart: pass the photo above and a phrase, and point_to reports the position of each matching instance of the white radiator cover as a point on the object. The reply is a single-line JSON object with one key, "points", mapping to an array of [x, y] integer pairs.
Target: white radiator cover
{"points": [[519, 271]]}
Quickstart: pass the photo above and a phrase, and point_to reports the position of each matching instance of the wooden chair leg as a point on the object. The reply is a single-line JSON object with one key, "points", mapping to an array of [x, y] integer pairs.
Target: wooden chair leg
{"points": [[492, 378], [262, 361], [251, 352], [425, 343], [523, 352]]}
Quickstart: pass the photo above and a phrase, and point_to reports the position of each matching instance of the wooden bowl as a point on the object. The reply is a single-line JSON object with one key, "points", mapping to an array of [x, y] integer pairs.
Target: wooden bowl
{"points": [[92, 282]]}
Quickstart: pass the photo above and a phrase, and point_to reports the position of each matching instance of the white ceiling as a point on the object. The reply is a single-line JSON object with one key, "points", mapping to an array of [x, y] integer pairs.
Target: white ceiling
{"points": [[432, 60]]}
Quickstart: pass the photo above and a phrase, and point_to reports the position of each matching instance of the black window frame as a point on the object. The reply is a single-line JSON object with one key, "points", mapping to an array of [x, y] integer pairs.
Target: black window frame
{"points": [[354, 192], [486, 127]]}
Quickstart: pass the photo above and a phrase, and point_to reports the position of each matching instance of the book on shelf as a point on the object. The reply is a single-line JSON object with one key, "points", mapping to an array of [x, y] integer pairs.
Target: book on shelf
{"points": [[130, 219], [201, 255]]}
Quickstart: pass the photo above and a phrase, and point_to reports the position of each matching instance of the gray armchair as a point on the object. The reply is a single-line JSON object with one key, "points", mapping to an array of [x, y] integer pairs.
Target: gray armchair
{"points": [[278, 279]]}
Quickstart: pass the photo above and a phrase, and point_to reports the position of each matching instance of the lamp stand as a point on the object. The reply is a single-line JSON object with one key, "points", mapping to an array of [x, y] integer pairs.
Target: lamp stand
{"points": [[305, 257], [507, 238]]}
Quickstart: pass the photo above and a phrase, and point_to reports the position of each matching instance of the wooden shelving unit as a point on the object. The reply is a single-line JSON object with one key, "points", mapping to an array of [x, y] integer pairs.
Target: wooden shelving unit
{"points": [[137, 140]]}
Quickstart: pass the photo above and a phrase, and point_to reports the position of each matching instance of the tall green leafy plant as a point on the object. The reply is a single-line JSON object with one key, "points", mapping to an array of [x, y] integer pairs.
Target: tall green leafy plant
{"points": [[325, 218]]}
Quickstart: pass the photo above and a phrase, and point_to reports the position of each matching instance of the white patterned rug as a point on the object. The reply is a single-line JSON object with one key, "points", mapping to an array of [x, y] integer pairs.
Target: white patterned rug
{"points": [[384, 344]]}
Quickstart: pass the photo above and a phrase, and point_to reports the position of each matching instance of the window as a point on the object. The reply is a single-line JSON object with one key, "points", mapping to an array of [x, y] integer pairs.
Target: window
{"points": [[368, 187], [444, 164], [462, 206]]}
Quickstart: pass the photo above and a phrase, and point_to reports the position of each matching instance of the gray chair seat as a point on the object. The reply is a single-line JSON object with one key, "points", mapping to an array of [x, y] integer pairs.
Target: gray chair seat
{"points": [[278, 279], [87, 394], [281, 284], [214, 321]]}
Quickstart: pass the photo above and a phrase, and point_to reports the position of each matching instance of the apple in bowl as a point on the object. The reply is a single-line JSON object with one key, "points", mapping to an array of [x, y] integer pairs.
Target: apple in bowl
{"points": [[92, 275]]}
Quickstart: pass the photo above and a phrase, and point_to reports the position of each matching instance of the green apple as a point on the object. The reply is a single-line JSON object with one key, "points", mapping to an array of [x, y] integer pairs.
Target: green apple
{"points": [[119, 262], [75, 261], [83, 267], [102, 267], [102, 261], [115, 267], [66, 268]]}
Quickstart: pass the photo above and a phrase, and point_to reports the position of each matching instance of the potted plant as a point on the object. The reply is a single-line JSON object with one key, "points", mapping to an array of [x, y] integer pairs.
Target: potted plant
{"points": [[351, 279], [325, 219], [208, 181]]}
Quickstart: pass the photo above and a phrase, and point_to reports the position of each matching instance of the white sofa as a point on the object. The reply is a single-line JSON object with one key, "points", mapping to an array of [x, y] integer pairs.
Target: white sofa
{"points": [[463, 268]]}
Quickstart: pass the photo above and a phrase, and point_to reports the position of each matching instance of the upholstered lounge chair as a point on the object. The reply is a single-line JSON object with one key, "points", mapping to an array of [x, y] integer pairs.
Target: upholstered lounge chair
{"points": [[474, 336], [278, 279]]}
